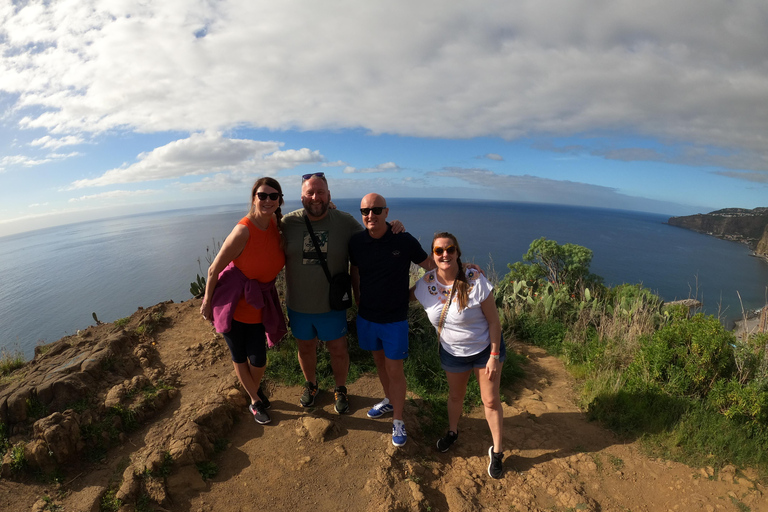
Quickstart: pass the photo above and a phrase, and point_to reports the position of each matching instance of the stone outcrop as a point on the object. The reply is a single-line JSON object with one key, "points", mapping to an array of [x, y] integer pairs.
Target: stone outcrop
{"points": [[735, 224], [762, 245]]}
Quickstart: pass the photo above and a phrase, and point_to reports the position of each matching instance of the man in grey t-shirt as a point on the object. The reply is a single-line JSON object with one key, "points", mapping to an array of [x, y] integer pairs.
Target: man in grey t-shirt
{"points": [[310, 314]]}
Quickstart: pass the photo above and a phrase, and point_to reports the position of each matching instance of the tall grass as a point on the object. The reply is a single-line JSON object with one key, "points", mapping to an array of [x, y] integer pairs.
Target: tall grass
{"points": [[10, 361]]}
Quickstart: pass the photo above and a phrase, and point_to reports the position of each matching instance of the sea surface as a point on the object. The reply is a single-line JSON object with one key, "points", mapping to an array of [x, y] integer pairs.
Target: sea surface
{"points": [[54, 279]]}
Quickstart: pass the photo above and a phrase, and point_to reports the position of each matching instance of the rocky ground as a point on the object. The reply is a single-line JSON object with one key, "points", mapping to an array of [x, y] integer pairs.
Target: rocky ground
{"points": [[150, 413]]}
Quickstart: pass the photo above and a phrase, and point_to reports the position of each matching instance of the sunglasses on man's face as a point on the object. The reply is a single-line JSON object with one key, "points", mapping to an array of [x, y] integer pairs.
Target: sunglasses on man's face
{"points": [[310, 175], [376, 210], [439, 250], [274, 196]]}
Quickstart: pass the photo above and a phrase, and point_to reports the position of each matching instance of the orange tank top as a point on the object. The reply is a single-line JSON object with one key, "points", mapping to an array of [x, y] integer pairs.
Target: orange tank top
{"points": [[261, 259]]}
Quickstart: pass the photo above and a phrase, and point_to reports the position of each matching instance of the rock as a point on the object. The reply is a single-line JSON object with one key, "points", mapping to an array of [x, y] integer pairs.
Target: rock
{"points": [[184, 483], [316, 428], [156, 491], [115, 395], [457, 502], [130, 486], [17, 405]]}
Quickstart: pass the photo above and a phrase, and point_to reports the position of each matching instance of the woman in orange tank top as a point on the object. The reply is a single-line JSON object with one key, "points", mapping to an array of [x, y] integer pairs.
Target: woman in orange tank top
{"points": [[255, 246]]}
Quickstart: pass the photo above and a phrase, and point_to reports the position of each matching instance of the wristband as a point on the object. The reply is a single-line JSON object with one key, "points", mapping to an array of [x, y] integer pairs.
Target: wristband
{"points": [[496, 356]]}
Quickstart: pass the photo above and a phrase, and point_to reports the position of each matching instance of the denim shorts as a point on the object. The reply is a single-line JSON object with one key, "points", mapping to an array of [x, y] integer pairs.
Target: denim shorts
{"points": [[454, 364], [392, 337], [323, 326]]}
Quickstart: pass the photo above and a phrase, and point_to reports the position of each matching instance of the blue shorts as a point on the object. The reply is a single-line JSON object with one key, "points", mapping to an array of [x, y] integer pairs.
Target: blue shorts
{"points": [[324, 326], [454, 364], [392, 337]]}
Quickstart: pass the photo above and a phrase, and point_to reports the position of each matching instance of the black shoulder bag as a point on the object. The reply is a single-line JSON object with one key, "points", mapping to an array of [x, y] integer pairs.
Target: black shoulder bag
{"points": [[340, 293]]}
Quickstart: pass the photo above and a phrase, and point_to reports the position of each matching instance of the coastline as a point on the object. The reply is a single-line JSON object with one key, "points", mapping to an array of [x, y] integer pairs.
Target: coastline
{"points": [[749, 325]]}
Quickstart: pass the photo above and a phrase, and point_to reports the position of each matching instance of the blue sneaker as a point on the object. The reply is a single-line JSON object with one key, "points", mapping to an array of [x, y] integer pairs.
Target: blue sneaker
{"points": [[380, 409], [399, 437]]}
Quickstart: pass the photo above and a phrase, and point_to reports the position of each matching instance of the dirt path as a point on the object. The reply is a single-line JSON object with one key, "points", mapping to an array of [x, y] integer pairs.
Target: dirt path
{"points": [[317, 460]]}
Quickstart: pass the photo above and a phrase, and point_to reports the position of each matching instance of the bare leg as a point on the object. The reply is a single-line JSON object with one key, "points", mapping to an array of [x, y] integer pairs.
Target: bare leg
{"points": [[308, 359], [339, 359], [397, 386], [381, 369], [494, 415], [457, 388], [250, 377]]}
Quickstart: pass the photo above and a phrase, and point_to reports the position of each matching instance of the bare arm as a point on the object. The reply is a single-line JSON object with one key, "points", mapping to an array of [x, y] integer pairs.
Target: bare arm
{"points": [[494, 327], [428, 264], [230, 249]]}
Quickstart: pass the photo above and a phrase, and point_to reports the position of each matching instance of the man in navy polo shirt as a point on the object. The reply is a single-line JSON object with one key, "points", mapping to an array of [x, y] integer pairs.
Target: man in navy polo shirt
{"points": [[383, 261]]}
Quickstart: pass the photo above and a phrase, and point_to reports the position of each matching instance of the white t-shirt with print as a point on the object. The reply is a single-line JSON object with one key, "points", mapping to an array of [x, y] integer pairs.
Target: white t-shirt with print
{"points": [[464, 333]]}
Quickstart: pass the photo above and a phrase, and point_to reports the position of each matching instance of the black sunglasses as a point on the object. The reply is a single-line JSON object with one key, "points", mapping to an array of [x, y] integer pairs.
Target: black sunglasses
{"points": [[315, 174], [439, 250], [274, 196], [376, 210]]}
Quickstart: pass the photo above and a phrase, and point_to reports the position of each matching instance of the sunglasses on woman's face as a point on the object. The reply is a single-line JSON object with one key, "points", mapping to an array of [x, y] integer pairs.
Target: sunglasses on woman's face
{"points": [[376, 210], [439, 250], [274, 196]]}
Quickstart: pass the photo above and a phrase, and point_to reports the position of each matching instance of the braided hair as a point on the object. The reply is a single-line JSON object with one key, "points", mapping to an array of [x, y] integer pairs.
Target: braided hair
{"points": [[460, 284], [270, 182]]}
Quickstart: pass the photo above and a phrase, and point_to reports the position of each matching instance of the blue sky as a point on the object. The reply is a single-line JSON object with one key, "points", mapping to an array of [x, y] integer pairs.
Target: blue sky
{"points": [[122, 106]]}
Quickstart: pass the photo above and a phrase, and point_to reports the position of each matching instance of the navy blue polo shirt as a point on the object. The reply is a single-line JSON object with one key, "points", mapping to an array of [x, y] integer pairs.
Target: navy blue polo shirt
{"points": [[384, 265]]}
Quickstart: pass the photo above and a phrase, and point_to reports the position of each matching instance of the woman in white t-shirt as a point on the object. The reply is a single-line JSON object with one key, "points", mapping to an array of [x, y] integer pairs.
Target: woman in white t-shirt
{"points": [[461, 306]]}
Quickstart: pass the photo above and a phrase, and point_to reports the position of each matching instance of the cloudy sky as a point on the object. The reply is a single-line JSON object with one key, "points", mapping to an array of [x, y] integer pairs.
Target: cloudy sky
{"points": [[117, 106]]}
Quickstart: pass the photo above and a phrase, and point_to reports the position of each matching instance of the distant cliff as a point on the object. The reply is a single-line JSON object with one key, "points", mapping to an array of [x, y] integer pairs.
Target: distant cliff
{"points": [[736, 224]]}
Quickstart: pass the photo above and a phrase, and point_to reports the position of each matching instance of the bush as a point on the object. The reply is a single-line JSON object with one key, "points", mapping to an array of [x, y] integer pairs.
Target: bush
{"points": [[746, 405], [684, 358]]}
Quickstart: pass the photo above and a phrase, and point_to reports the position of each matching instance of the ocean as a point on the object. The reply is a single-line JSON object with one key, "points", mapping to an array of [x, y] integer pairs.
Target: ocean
{"points": [[55, 278]]}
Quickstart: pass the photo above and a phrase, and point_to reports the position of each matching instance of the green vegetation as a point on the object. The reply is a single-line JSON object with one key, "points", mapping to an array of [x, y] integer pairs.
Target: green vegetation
{"points": [[207, 469], [109, 502], [682, 384], [10, 361], [121, 322]]}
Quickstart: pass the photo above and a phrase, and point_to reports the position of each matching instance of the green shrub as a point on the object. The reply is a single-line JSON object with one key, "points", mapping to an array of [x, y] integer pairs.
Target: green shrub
{"points": [[745, 404], [18, 458], [684, 358], [207, 469], [642, 411]]}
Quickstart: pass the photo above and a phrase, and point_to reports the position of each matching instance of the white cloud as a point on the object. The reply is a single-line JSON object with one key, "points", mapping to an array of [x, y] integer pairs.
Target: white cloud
{"points": [[21, 161], [205, 153], [337, 163], [385, 167], [693, 74], [49, 142], [114, 194]]}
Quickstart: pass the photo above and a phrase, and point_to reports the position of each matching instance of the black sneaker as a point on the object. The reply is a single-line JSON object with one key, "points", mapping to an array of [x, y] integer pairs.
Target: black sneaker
{"points": [[308, 396], [259, 413], [342, 404], [447, 440], [495, 468], [264, 399]]}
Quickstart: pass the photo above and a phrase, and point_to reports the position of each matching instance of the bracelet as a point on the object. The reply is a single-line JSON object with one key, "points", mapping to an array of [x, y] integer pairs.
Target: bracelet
{"points": [[496, 356]]}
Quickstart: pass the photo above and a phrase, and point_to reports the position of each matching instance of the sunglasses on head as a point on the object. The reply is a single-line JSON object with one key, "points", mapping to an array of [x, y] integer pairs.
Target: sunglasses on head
{"points": [[315, 174], [376, 210], [274, 196], [439, 250]]}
